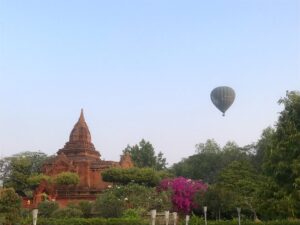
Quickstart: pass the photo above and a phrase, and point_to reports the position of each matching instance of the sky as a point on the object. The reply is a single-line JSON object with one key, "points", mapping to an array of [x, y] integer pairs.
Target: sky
{"points": [[143, 69]]}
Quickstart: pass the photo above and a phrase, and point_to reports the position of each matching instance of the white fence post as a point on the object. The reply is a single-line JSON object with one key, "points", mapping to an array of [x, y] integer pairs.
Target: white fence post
{"points": [[239, 214], [175, 217], [153, 216], [167, 217], [34, 216], [205, 214], [187, 219]]}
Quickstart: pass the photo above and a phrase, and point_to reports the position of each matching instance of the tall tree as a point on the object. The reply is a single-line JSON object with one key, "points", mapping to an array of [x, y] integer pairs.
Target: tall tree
{"points": [[143, 155], [210, 146], [263, 145], [15, 170], [10, 206], [282, 153], [209, 160], [241, 178]]}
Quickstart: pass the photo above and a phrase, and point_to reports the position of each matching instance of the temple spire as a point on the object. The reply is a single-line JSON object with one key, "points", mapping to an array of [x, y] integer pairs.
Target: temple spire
{"points": [[80, 132], [81, 118]]}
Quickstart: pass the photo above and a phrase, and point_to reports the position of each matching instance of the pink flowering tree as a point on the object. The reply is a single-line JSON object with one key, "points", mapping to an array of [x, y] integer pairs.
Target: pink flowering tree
{"points": [[183, 192]]}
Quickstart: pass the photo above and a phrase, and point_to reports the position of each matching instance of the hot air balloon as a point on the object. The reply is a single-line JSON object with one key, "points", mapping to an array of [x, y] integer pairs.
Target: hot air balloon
{"points": [[222, 97]]}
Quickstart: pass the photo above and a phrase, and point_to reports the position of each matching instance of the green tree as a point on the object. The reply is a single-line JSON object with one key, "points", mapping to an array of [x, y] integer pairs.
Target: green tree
{"points": [[262, 147], [209, 160], [143, 155], [67, 213], [241, 178], [66, 179], [10, 206], [144, 176], [86, 208], [282, 152], [15, 170], [140, 198], [220, 201], [210, 146], [46, 208], [205, 166], [35, 180], [108, 205]]}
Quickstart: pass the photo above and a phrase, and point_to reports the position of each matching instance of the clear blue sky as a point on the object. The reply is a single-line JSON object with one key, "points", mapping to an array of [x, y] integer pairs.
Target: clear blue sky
{"points": [[143, 69]]}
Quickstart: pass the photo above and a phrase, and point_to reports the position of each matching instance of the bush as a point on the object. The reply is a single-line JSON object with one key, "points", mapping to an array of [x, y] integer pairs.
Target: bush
{"points": [[25, 213], [183, 192], [108, 205], [35, 180], [137, 196], [10, 206], [66, 178], [200, 221], [90, 221], [130, 221], [145, 176], [46, 208], [86, 208], [67, 213], [133, 213]]}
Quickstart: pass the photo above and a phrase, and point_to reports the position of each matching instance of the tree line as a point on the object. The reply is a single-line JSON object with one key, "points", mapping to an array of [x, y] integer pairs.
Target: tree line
{"points": [[262, 178]]}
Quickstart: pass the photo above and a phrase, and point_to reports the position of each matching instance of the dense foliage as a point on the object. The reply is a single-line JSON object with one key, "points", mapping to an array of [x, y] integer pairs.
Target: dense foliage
{"points": [[200, 221], [241, 178], [10, 206], [89, 221], [109, 205], [86, 208], [35, 180], [116, 200], [210, 159], [262, 178], [67, 213], [15, 170], [144, 176], [281, 157], [46, 208], [66, 179], [143, 155]]}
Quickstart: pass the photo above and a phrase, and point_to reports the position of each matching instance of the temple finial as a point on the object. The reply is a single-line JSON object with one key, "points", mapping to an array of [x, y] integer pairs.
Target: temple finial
{"points": [[81, 118]]}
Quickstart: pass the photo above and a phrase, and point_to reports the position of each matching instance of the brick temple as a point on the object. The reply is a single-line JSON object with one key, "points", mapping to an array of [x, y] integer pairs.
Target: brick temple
{"points": [[79, 156]]}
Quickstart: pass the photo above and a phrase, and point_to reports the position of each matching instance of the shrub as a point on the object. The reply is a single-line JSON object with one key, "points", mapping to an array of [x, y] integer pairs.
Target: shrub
{"points": [[200, 221], [25, 213], [10, 206], [163, 174], [86, 208], [133, 213], [90, 221], [67, 213], [66, 178], [183, 192], [145, 176], [108, 205], [46, 208], [129, 221], [137, 196], [35, 180]]}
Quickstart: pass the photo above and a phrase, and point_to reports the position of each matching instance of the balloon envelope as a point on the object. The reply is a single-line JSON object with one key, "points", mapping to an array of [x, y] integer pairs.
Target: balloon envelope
{"points": [[222, 97]]}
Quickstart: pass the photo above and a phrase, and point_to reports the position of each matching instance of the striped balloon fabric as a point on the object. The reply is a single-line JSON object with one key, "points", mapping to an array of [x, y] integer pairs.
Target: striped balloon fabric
{"points": [[222, 97]]}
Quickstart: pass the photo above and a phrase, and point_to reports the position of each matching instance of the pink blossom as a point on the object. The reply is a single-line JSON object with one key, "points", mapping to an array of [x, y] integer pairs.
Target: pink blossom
{"points": [[183, 192]]}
